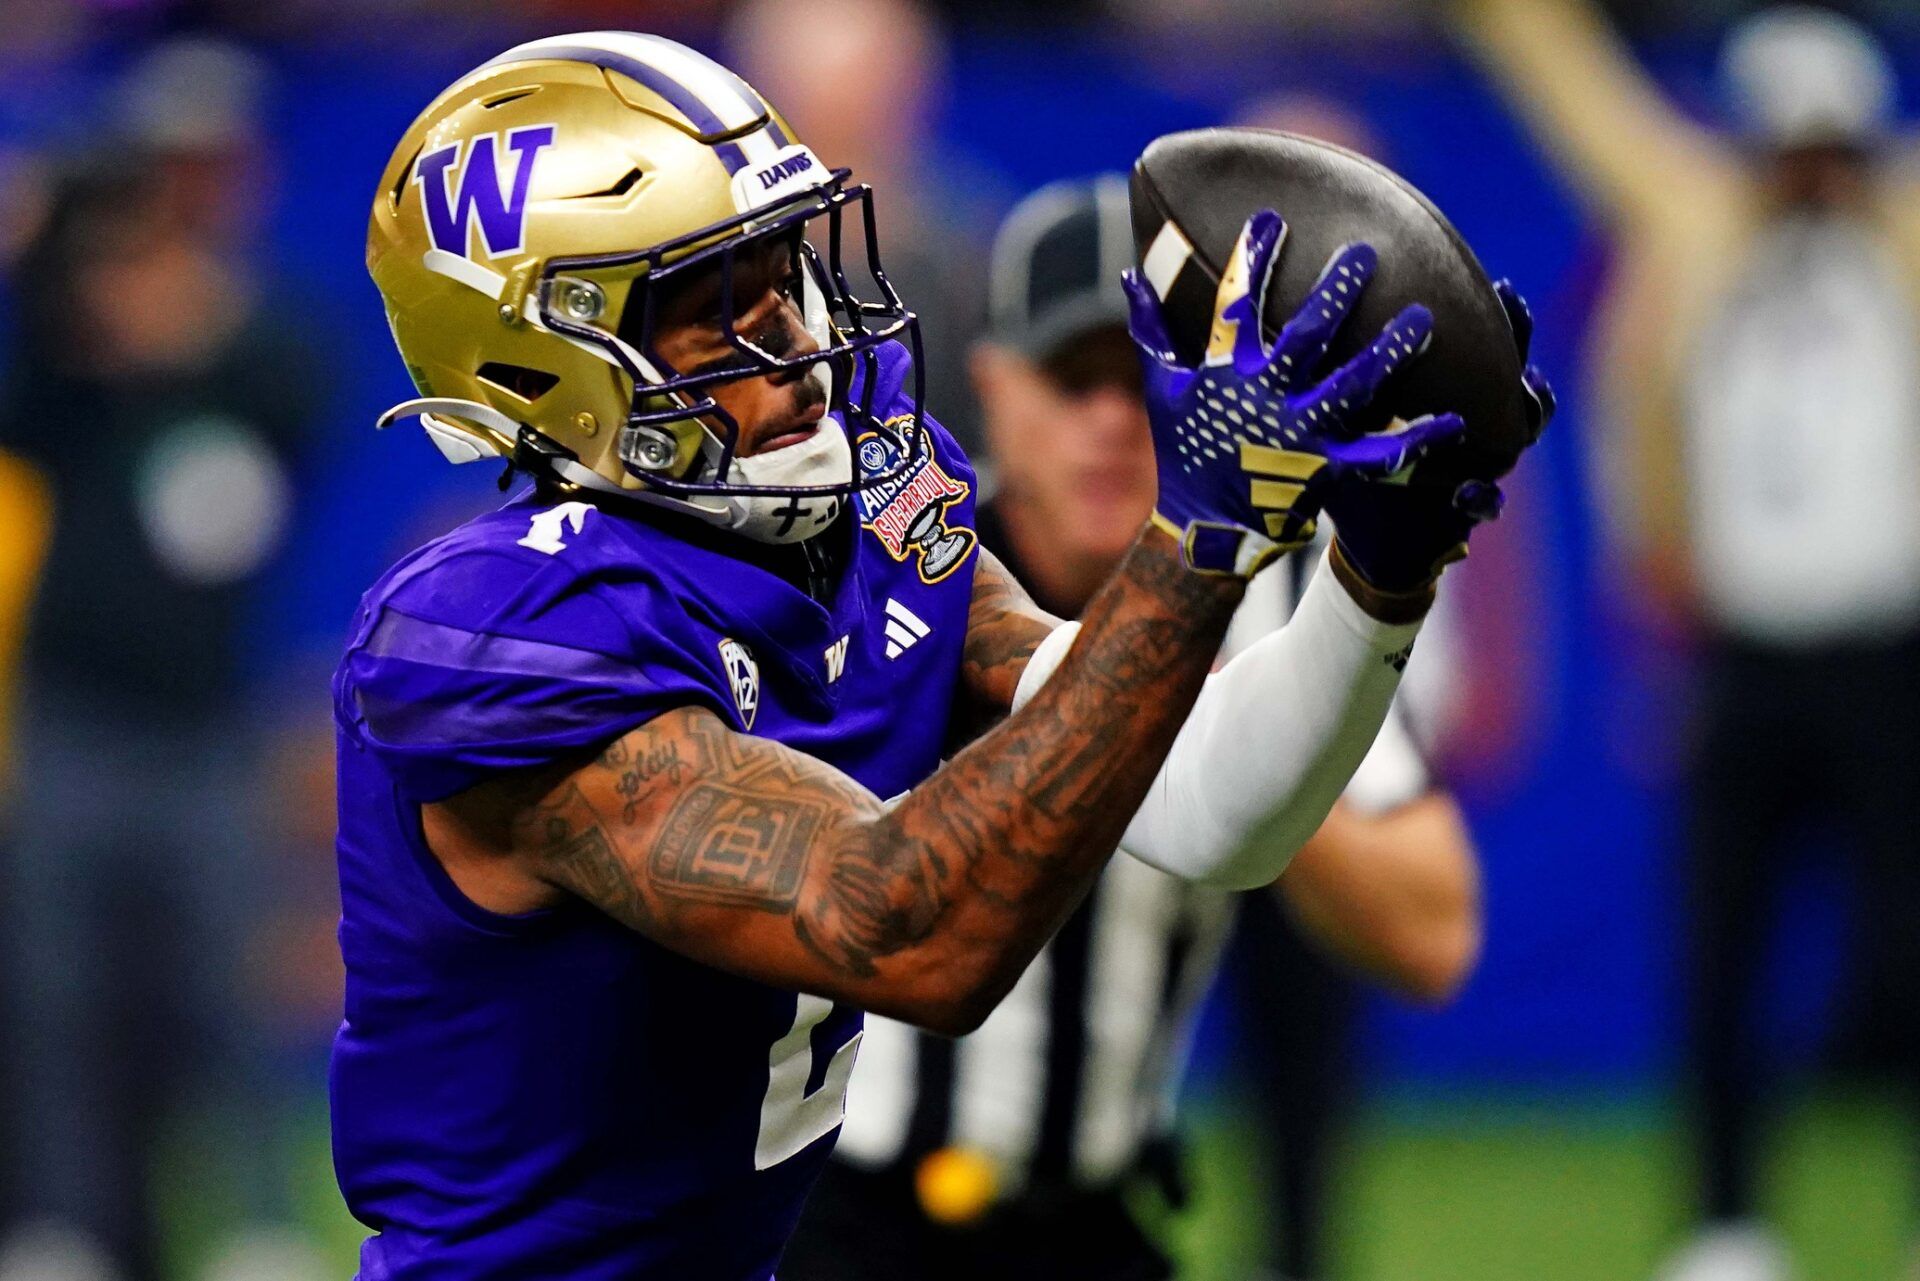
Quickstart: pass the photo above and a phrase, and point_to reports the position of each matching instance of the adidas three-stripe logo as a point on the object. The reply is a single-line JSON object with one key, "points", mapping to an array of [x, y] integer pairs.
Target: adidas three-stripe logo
{"points": [[904, 628]]}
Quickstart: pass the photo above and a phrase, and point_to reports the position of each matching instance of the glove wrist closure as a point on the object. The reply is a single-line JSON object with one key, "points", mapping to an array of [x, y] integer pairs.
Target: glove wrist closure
{"points": [[1404, 605]]}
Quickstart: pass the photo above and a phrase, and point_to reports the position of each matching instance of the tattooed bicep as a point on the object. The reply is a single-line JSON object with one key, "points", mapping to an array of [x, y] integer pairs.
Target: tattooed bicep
{"points": [[1004, 628], [683, 812]]}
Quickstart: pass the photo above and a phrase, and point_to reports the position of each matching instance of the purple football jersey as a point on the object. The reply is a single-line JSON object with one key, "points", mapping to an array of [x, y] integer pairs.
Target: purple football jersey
{"points": [[552, 1095]]}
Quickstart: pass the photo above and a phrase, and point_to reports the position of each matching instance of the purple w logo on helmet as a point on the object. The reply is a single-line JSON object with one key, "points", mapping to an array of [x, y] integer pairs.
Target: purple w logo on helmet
{"points": [[452, 201]]}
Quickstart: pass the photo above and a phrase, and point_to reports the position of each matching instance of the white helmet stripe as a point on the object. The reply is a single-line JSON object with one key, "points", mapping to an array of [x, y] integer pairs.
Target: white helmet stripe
{"points": [[712, 81], [720, 101]]}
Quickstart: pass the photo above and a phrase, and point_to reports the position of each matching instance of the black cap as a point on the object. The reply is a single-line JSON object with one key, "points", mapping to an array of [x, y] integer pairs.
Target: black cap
{"points": [[1056, 265]]}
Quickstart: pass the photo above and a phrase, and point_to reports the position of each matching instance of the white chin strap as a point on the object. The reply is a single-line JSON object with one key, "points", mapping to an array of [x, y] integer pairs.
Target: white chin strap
{"points": [[824, 458]]}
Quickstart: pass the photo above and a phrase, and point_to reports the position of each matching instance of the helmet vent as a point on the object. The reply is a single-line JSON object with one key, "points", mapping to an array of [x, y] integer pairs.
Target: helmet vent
{"points": [[511, 95], [620, 188], [517, 381], [406, 176]]}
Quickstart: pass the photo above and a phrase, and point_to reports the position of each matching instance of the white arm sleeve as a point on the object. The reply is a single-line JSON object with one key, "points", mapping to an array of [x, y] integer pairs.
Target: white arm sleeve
{"points": [[1394, 772], [1281, 729]]}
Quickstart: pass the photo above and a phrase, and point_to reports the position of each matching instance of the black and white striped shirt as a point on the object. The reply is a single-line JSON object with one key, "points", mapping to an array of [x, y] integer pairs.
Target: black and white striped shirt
{"points": [[1078, 1069]]}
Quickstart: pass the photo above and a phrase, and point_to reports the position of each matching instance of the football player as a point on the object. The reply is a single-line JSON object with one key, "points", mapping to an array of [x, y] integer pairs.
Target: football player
{"points": [[642, 794]]}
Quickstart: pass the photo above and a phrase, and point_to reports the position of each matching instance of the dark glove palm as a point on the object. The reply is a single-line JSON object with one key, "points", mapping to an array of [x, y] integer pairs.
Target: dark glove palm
{"points": [[1400, 536]]}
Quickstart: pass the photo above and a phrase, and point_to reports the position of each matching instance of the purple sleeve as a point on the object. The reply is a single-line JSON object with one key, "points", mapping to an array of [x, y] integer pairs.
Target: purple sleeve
{"points": [[483, 664]]}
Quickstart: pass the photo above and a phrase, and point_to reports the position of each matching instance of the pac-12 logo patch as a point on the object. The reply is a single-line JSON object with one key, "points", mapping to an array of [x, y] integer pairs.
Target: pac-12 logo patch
{"points": [[454, 195], [743, 678], [909, 514]]}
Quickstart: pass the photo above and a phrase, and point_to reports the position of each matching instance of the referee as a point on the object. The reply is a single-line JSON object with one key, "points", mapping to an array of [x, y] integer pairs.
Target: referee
{"points": [[1012, 1154], [1760, 359]]}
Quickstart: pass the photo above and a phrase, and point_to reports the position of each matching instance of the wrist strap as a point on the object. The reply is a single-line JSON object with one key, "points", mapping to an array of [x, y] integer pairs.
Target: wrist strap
{"points": [[1220, 550], [1383, 606]]}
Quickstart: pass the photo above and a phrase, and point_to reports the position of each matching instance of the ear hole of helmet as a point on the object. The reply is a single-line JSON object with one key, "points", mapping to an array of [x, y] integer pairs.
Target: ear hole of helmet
{"points": [[517, 381], [650, 450]]}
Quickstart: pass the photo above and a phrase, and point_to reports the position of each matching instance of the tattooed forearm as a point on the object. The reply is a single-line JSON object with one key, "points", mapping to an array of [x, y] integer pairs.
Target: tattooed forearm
{"points": [[874, 898], [748, 854], [997, 847]]}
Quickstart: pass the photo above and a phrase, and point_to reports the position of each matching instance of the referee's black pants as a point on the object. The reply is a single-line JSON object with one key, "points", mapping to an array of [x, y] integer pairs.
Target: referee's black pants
{"points": [[863, 1225], [1297, 1024], [1826, 736]]}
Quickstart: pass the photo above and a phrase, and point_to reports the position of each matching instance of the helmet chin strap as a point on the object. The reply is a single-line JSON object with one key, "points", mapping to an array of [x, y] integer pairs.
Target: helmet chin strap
{"points": [[824, 458]]}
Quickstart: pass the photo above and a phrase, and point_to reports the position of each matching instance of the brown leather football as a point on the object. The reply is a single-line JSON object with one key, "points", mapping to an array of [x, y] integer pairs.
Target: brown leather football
{"points": [[1208, 182]]}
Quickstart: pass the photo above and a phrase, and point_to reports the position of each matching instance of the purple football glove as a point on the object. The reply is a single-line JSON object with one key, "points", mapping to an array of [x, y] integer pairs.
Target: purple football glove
{"points": [[1541, 404], [1249, 443], [1400, 536]]}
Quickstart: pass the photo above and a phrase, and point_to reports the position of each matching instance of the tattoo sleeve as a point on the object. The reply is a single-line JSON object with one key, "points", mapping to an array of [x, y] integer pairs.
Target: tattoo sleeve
{"points": [[750, 856]]}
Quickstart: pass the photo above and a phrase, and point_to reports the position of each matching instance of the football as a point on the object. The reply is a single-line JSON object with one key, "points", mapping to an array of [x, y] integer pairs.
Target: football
{"points": [[1191, 194]]}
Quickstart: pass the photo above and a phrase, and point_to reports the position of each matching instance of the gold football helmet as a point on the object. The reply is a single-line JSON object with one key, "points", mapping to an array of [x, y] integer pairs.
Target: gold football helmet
{"points": [[526, 226]]}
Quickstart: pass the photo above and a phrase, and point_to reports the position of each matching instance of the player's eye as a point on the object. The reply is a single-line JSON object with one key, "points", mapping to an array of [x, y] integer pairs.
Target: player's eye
{"points": [[730, 362], [787, 268], [690, 299], [776, 337], [792, 283]]}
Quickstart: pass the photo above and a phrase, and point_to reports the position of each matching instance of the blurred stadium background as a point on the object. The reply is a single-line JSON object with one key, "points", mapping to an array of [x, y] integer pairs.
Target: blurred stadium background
{"points": [[1529, 1131]]}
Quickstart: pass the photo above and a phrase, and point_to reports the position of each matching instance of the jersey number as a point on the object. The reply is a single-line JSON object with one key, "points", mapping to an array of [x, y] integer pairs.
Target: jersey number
{"points": [[548, 532], [791, 1118]]}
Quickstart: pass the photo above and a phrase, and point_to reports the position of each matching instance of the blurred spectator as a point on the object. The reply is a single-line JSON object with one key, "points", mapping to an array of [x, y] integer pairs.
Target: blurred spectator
{"points": [[192, 107], [1761, 349], [39, 30], [163, 400], [1348, 17], [1312, 116], [861, 80], [1016, 1152], [27, 509]]}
